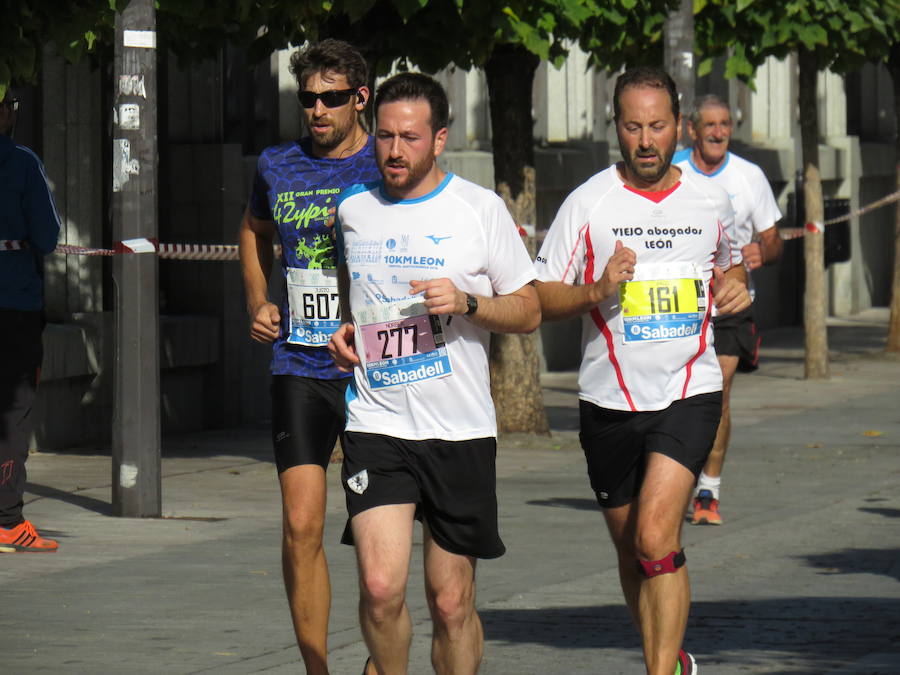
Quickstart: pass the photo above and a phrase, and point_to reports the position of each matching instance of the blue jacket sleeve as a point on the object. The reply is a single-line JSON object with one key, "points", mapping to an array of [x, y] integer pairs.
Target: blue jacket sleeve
{"points": [[40, 210]]}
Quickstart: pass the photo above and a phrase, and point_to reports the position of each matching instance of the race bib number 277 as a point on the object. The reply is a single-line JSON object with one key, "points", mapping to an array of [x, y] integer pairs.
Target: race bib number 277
{"points": [[401, 344]]}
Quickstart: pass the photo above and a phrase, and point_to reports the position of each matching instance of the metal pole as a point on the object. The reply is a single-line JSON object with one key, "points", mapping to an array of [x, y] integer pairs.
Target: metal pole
{"points": [[136, 420], [679, 53]]}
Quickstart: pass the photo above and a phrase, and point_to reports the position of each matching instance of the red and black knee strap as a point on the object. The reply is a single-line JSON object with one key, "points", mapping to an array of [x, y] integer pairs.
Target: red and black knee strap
{"points": [[667, 565]]}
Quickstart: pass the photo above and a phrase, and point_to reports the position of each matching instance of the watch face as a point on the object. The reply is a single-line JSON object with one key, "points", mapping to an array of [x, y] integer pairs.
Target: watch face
{"points": [[471, 304]]}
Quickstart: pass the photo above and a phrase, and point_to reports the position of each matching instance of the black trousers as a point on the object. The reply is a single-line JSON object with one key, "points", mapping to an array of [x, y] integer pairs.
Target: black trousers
{"points": [[21, 352]]}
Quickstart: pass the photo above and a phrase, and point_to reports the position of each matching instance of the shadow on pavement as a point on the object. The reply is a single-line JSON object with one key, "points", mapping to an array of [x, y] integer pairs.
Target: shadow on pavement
{"points": [[566, 503], [816, 630], [858, 561], [89, 503], [887, 513]]}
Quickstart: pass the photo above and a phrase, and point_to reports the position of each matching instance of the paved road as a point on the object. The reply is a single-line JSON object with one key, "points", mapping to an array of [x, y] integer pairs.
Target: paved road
{"points": [[802, 578]]}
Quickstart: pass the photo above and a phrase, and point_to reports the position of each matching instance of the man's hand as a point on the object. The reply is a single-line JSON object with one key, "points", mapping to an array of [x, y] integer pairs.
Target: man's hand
{"points": [[753, 255], [619, 268], [730, 295], [265, 323], [342, 347], [441, 296]]}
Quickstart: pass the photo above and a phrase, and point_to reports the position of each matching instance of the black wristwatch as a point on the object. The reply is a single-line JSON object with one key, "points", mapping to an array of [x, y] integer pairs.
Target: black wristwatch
{"points": [[471, 304]]}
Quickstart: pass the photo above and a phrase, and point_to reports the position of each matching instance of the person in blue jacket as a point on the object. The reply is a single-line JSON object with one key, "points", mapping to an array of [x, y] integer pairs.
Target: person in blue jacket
{"points": [[29, 227]]}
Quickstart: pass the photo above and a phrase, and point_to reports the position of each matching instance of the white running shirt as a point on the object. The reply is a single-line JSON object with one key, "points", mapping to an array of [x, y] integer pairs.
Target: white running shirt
{"points": [[652, 343], [755, 209], [431, 389]]}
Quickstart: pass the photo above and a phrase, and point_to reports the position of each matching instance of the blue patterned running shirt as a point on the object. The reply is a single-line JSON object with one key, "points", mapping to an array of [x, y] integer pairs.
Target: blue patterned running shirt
{"points": [[295, 189]]}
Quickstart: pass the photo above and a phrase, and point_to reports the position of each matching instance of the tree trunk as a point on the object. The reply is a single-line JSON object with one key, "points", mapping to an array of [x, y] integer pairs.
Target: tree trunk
{"points": [[893, 339], [515, 366], [816, 332]]}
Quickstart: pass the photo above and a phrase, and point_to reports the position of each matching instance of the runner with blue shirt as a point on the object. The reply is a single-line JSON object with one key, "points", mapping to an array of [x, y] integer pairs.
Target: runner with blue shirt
{"points": [[430, 265], [295, 190], [754, 236]]}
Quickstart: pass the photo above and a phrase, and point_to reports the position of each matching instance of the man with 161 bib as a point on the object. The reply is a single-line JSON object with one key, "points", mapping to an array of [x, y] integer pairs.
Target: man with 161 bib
{"points": [[639, 251]]}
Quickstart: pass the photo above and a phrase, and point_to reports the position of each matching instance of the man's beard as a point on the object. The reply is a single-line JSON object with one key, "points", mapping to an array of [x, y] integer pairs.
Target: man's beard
{"points": [[335, 135], [651, 174], [414, 173]]}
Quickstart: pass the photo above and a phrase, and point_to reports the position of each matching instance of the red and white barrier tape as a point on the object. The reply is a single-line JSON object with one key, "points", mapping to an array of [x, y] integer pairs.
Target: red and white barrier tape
{"points": [[230, 251], [816, 227], [144, 245]]}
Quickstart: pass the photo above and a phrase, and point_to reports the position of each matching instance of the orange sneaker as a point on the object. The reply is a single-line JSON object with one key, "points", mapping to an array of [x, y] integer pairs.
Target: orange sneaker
{"points": [[706, 509], [25, 539]]}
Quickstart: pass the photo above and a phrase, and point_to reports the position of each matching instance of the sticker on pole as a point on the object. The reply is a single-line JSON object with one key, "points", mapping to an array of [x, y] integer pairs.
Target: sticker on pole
{"points": [[145, 39]]}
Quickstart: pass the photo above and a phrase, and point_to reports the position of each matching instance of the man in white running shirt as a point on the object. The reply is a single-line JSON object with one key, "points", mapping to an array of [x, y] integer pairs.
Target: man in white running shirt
{"points": [[640, 252], [430, 264], [754, 234]]}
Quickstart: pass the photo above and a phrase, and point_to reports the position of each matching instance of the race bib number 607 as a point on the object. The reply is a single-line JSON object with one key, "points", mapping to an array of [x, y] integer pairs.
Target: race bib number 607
{"points": [[314, 306]]}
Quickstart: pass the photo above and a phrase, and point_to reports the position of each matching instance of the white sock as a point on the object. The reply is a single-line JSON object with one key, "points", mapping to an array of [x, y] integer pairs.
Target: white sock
{"points": [[708, 483]]}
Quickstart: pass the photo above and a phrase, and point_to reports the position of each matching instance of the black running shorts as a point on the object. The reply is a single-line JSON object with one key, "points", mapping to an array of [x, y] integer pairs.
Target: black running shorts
{"points": [[308, 415], [452, 483], [736, 335], [616, 443]]}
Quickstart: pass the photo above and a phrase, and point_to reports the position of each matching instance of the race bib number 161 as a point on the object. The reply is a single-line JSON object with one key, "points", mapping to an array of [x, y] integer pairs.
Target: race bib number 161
{"points": [[665, 301]]}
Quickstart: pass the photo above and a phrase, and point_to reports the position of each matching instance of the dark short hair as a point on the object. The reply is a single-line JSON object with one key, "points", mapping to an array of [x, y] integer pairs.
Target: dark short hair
{"points": [[330, 55], [415, 87], [706, 101], [645, 76]]}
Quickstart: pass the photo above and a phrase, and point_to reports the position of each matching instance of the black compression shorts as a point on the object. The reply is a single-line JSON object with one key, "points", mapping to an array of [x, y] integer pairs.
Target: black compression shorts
{"points": [[736, 335], [308, 415]]}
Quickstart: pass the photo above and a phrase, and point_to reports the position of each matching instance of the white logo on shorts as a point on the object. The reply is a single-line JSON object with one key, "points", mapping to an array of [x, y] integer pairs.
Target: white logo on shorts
{"points": [[359, 482], [604, 495]]}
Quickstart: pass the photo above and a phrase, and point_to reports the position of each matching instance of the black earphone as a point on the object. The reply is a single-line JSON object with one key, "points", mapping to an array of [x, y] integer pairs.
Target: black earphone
{"points": [[360, 97]]}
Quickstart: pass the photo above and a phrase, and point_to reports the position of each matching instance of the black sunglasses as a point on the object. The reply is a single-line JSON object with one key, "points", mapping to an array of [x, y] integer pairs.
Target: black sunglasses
{"points": [[330, 99], [12, 104]]}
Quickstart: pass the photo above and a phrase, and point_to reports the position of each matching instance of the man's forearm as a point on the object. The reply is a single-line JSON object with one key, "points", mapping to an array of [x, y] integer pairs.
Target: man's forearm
{"points": [[771, 245], [256, 257], [518, 312], [561, 301]]}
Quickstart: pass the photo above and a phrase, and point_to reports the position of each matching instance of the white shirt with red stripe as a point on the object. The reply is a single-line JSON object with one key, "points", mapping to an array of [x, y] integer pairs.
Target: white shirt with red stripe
{"points": [[683, 227]]}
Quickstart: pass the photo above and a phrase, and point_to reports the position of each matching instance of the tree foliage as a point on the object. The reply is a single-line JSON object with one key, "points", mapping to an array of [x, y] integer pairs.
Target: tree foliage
{"points": [[842, 34], [73, 27]]}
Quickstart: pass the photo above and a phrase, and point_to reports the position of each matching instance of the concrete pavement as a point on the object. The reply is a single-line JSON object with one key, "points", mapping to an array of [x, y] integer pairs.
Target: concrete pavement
{"points": [[804, 577]]}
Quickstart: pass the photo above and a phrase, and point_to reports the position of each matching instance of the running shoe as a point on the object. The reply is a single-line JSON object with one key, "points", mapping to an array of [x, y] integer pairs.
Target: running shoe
{"points": [[686, 664], [706, 509], [24, 539]]}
